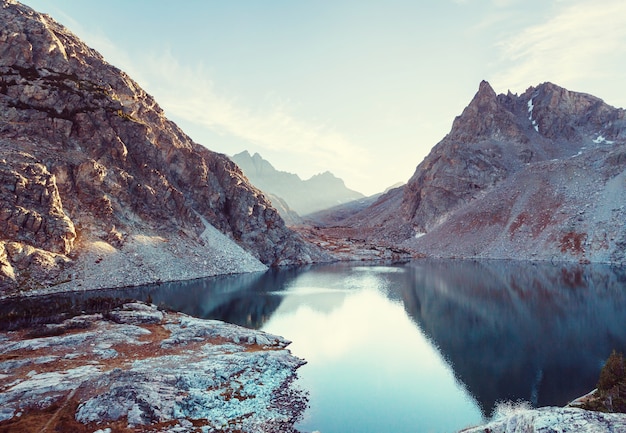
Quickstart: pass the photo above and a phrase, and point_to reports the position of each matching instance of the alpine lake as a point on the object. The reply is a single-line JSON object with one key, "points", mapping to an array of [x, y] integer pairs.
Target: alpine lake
{"points": [[423, 346]]}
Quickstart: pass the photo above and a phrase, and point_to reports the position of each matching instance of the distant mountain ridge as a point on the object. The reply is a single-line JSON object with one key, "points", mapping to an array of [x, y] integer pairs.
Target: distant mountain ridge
{"points": [[541, 175], [321, 191]]}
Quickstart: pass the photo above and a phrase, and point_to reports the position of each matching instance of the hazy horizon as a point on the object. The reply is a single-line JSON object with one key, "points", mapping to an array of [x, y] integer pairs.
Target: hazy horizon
{"points": [[361, 89]]}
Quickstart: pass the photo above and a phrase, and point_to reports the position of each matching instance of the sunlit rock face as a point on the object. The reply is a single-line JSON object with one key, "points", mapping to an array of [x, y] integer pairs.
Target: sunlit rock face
{"points": [[541, 175], [90, 164], [155, 371]]}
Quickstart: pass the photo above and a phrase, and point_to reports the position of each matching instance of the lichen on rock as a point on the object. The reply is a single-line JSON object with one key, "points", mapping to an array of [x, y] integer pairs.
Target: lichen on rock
{"points": [[138, 367]]}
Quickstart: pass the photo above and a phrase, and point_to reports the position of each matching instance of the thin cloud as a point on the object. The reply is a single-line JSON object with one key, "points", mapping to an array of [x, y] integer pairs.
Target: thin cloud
{"points": [[497, 3], [187, 92], [192, 96], [580, 42]]}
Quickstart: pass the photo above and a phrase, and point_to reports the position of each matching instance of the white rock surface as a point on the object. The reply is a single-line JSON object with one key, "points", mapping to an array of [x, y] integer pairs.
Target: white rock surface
{"points": [[148, 368], [554, 420]]}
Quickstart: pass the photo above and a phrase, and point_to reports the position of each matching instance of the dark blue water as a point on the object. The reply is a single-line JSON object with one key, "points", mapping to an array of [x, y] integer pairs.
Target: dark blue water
{"points": [[428, 346]]}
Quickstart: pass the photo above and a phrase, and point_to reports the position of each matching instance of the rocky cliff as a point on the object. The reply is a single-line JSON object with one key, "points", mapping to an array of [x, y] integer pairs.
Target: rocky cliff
{"points": [[540, 175], [321, 191], [93, 175]]}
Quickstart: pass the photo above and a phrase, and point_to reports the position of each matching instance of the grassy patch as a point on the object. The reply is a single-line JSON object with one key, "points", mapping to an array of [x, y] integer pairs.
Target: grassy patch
{"points": [[611, 393]]}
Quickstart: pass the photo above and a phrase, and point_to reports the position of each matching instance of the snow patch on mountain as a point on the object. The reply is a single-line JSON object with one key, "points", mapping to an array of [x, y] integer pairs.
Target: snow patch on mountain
{"points": [[600, 139], [531, 107]]}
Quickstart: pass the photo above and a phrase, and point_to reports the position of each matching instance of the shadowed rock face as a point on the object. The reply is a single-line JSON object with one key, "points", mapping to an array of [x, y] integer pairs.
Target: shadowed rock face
{"points": [[87, 156], [518, 176]]}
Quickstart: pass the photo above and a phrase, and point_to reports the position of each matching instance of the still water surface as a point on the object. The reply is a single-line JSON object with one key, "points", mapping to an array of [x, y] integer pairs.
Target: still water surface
{"points": [[427, 346]]}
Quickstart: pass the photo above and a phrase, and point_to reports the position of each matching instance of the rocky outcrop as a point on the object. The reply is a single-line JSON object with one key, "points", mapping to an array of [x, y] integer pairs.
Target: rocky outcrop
{"points": [[89, 163], [321, 191], [532, 176], [553, 419], [66, 377], [32, 210]]}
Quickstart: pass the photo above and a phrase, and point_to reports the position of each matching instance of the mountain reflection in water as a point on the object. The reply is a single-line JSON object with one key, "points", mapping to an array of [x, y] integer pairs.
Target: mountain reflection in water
{"points": [[513, 330], [506, 330]]}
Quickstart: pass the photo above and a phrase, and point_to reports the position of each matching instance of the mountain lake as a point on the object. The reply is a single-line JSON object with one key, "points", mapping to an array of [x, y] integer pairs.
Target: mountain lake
{"points": [[423, 346]]}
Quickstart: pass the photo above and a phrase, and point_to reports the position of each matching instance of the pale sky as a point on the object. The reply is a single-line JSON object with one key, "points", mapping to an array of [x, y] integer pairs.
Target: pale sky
{"points": [[361, 88]]}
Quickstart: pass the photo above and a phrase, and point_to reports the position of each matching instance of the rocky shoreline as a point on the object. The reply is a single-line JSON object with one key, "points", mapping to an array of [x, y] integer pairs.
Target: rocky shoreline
{"points": [[578, 415], [137, 368], [552, 420]]}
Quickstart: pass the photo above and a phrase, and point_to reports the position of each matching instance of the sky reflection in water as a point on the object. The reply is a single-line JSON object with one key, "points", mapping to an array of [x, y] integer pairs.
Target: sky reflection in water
{"points": [[370, 368], [429, 346]]}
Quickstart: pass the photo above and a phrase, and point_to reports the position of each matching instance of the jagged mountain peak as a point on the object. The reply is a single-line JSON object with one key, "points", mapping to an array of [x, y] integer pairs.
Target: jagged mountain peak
{"points": [[483, 102], [485, 92], [559, 113], [549, 110], [497, 135], [254, 164], [539, 174], [484, 117], [327, 175], [558, 95]]}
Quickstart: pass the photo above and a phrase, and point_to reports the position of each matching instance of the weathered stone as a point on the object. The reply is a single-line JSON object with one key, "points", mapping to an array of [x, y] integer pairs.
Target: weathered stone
{"points": [[553, 419], [7, 274], [136, 314], [32, 209], [148, 373]]}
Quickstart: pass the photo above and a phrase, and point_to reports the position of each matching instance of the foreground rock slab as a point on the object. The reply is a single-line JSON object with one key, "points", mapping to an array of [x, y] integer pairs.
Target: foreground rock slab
{"points": [[553, 420], [140, 369]]}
